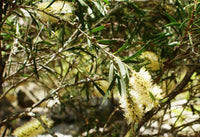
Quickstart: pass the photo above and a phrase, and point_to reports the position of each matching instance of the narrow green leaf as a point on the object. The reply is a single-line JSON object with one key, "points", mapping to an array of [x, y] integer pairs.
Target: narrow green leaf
{"points": [[197, 10], [85, 88], [181, 7], [119, 85], [173, 24], [152, 96], [89, 10], [112, 84], [4, 34], [49, 70], [99, 89], [123, 85], [109, 41], [170, 17], [83, 3], [138, 53], [136, 127], [137, 9], [49, 27], [164, 100], [7, 37], [160, 36], [62, 34], [123, 47], [182, 25], [106, 1], [109, 90], [35, 69], [111, 71], [89, 42], [121, 67], [100, 7], [98, 29], [24, 75], [132, 35], [34, 62], [175, 43]]}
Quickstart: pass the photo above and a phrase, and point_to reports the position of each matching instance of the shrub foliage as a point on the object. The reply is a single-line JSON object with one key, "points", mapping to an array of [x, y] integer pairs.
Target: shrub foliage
{"points": [[81, 55]]}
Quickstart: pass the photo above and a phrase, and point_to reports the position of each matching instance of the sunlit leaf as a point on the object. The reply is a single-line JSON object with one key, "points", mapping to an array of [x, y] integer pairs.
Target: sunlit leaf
{"points": [[123, 85], [175, 43], [111, 72], [100, 7], [89, 10], [98, 29], [164, 100], [152, 96], [121, 68], [106, 1], [89, 43]]}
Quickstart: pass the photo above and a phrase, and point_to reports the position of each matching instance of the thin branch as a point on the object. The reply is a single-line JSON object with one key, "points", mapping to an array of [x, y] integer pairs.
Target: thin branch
{"points": [[52, 94], [25, 79]]}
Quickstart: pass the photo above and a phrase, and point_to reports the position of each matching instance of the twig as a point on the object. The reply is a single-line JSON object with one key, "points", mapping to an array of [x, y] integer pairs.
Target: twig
{"points": [[117, 7], [25, 79], [11, 118], [52, 94], [111, 115]]}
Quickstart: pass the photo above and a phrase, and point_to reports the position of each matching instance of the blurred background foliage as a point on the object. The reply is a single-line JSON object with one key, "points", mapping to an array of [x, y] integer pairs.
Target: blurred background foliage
{"points": [[65, 58]]}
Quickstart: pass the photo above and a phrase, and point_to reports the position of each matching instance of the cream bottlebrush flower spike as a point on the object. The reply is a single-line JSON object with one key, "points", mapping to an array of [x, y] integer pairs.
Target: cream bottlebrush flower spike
{"points": [[133, 112], [32, 128], [153, 58], [63, 10], [142, 96]]}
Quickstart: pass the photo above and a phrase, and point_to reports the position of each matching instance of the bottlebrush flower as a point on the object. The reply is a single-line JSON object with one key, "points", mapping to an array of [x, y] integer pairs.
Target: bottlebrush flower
{"points": [[32, 128], [141, 97], [133, 111], [63, 10], [153, 58]]}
